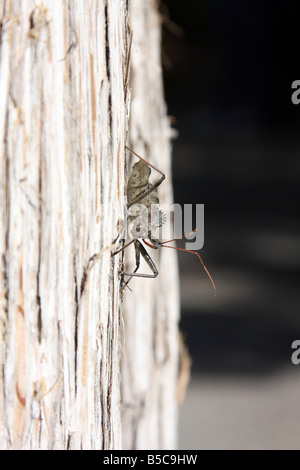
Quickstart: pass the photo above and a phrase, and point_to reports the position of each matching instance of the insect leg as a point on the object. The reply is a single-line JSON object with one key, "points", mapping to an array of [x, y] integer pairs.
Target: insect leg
{"points": [[122, 248], [140, 250], [153, 186], [120, 232]]}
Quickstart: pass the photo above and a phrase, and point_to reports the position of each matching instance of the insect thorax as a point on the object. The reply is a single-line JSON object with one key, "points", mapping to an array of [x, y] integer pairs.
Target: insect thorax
{"points": [[145, 214]]}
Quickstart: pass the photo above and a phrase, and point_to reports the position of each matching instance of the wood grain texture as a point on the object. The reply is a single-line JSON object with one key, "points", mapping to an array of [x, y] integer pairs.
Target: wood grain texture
{"points": [[63, 121], [151, 311], [72, 355]]}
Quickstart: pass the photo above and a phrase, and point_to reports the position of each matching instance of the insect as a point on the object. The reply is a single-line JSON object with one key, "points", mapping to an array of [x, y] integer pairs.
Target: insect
{"points": [[144, 194]]}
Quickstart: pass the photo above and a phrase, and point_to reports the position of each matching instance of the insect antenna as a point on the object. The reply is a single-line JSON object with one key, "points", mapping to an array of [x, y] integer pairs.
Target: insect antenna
{"points": [[153, 186], [188, 251], [143, 160]]}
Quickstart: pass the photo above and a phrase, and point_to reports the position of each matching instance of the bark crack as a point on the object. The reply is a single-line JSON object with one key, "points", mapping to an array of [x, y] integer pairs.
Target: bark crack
{"points": [[77, 303], [107, 50], [38, 296], [5, 256]]}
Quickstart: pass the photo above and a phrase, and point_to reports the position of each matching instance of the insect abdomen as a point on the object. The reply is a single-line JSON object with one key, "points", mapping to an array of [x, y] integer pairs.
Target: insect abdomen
{"points": [[138, 181]]}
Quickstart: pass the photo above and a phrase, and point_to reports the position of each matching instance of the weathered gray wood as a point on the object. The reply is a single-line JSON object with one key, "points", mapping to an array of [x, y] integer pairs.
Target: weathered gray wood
{"points": [[63, 121], [151, 312], [64, 113]]}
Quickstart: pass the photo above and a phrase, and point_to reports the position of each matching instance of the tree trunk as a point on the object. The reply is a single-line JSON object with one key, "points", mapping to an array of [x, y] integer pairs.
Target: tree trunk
{"points": [[68, 365], [151, 313]]}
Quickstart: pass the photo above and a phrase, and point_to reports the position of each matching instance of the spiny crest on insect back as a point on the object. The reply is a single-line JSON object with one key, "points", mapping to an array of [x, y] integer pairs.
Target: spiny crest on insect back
{"points": [[158, 217], [162, 218], [137, 185], [139, 190]]}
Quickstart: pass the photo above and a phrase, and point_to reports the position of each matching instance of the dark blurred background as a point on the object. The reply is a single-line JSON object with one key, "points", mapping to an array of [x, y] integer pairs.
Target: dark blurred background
{"points": [[228, 70]]}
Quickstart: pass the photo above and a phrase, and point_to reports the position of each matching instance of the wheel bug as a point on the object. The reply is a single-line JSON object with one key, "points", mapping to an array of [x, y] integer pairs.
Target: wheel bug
{"points": [[140, 190]]}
